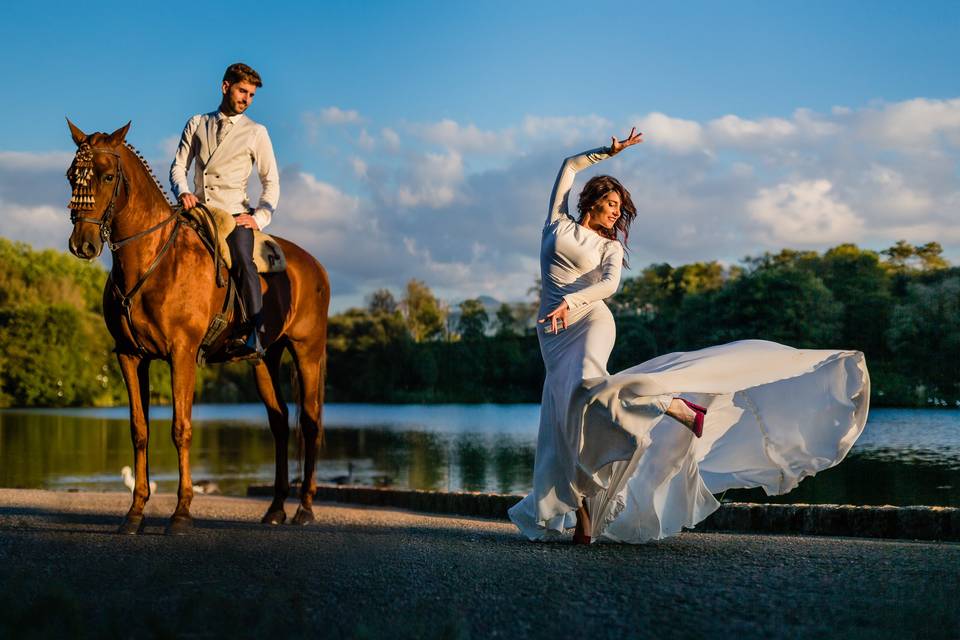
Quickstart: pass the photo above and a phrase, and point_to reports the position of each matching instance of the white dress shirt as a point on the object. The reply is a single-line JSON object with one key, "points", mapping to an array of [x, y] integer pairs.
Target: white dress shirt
{"points": [[221, 172]]}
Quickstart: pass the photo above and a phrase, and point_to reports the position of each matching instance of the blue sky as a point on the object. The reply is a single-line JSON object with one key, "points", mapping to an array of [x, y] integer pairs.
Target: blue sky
{"points": [[421, 139]]}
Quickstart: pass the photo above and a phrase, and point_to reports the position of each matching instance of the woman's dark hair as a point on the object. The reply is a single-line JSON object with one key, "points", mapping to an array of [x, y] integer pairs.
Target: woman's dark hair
{"points": [[596, 188]]}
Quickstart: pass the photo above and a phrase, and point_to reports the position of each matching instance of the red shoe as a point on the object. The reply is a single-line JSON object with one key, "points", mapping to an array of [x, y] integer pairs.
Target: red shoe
{"points": [[701, 412]]}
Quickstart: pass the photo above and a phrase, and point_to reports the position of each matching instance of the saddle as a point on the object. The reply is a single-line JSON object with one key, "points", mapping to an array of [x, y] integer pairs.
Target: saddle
{"points": [[216, 224], [213, 226]]}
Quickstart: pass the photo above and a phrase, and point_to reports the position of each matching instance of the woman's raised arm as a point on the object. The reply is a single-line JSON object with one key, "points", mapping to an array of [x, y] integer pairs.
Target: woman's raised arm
{"points": [[573, 164]]}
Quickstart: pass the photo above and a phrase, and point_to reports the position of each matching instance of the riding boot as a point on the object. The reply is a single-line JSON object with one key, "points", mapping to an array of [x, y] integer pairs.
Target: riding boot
{"points": [[248, 337], [254, 343]]}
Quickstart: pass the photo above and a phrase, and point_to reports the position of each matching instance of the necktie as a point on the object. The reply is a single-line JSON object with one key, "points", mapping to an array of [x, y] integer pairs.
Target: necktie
{"points": [[223, 126]]}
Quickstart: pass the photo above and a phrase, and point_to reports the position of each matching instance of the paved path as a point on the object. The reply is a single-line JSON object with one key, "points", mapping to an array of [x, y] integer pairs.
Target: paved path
{"points": [[370, 573]]}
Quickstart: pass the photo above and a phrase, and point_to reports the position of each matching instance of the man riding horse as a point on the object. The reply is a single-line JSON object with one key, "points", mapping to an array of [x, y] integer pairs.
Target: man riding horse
{"points": [[163, 295], [225, 145]]}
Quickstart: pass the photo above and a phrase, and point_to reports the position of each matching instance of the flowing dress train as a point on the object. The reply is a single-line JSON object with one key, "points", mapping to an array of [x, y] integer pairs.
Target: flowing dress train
{"points": [[775, 414]]}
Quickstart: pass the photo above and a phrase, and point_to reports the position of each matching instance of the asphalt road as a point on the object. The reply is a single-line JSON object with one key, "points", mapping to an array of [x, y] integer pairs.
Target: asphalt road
{"points": [[371, 573]]}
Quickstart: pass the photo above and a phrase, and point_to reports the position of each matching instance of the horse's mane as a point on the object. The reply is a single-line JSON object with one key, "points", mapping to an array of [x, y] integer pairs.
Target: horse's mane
{"points": [[146, 167]]}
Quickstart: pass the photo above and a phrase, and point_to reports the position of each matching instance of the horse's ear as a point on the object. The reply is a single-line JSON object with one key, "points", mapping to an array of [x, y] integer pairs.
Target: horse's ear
{"points": [[79, 137], [118, 136]]}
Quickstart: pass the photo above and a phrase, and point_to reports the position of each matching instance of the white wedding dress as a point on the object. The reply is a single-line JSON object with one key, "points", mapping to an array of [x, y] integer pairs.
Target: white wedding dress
{"points": [[775, 414]]}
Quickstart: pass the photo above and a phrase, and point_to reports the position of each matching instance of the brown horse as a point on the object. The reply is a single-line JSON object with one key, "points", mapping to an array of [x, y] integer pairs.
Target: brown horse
{"points": [[159, 300]]}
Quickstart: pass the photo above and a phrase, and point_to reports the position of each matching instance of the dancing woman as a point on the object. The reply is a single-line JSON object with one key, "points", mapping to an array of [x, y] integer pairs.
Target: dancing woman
{"points": [[637, 455]]}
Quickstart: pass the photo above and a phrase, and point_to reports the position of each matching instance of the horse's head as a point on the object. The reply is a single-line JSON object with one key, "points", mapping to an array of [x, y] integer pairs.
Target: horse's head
{"points": [[96, 178]]}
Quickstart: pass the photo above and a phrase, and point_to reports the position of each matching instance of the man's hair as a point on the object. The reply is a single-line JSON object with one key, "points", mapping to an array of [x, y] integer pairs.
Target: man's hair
{"points": [[239, 72]]}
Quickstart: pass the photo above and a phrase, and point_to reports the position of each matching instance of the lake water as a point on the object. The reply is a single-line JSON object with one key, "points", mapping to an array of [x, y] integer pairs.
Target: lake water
{"points": [[905, 456]]}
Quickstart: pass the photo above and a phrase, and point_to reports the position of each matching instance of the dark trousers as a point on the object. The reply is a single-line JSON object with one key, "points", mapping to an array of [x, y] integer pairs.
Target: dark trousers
{"points": [[240, 242]]}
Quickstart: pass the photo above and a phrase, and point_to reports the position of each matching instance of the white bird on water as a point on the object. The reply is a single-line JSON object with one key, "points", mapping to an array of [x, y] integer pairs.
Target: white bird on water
{"points": [[206, 486], [127, 474]]}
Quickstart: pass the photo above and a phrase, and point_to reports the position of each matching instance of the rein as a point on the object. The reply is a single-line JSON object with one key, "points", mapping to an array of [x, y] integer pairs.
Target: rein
{"points": [[82, 171]]}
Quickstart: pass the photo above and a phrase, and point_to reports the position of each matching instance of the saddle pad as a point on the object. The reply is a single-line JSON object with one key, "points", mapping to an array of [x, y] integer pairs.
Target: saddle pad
{"points": [[267, 253]]}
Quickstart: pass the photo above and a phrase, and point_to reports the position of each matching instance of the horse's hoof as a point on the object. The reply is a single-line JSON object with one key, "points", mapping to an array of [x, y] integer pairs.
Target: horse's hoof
{"points": [[179, 526], [132, 525], [274, 517], [303, 516]]}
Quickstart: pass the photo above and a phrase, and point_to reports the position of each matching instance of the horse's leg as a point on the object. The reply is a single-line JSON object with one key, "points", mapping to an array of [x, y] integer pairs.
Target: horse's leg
{"points": [[267, 373], [310, 367], [136, 375], [183, 373]]}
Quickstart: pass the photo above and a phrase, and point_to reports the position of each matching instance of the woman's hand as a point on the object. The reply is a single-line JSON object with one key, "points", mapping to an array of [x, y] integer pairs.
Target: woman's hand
{"points": [[618, 146], [557, 318]]}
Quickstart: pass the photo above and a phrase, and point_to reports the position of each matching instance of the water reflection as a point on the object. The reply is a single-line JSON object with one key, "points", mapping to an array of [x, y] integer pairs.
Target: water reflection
{"points": [[904, 456]]}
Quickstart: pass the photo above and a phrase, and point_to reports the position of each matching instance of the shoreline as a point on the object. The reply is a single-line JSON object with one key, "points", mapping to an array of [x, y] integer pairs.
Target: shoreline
{"points": [[920, 522], [890, 522], [916, 522]]}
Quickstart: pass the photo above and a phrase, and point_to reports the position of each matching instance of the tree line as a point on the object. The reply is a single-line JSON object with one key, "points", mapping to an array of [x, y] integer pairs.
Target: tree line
{"points": [[900, 306]]}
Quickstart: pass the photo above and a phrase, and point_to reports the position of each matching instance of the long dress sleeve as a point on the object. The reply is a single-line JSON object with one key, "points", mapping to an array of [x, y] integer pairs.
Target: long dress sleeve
{"points": [[568, 170], [182, 160], [607, 285]]}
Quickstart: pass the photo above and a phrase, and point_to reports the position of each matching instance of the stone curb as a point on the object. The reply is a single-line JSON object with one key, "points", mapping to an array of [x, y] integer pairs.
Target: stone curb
{"points": [[911, 523]]}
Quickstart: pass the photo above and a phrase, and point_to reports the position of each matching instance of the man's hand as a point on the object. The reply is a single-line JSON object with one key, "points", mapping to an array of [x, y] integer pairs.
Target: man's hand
{"points": [[188, 200], [248, 221], [616, 146]]}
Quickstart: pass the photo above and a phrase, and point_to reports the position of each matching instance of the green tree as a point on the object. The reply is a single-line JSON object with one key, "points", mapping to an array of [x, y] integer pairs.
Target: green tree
{"points": [[930, 256], [780, 303], [382, 301], [924, 334], [507, 322], [860, 282], [54, 346], [473, 319], [657, 296], [360, 330], [904, 256], [423, 313], [54, 355]]}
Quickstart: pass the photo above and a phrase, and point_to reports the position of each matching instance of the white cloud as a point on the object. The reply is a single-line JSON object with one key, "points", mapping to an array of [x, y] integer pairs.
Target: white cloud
{"points": [[469, 138], [567, 130], [42, 226], [336, 116], [802, 214], [673, 134], [24, 161], [366, 141], [359, 167], [434, 179], [306, 199], [914, 124], [328, 117], [391, 140], [888, 191], [813, 125], [734, 131]]}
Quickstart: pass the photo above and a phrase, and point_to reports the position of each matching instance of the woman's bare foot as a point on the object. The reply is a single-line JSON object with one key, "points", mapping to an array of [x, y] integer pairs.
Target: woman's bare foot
{"points": [[581, 535], [683, 414], [688, 414]]}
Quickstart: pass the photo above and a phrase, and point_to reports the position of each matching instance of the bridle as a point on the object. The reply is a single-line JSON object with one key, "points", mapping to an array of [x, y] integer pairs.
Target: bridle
{"points": [[81, 171], [104, 221]]}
